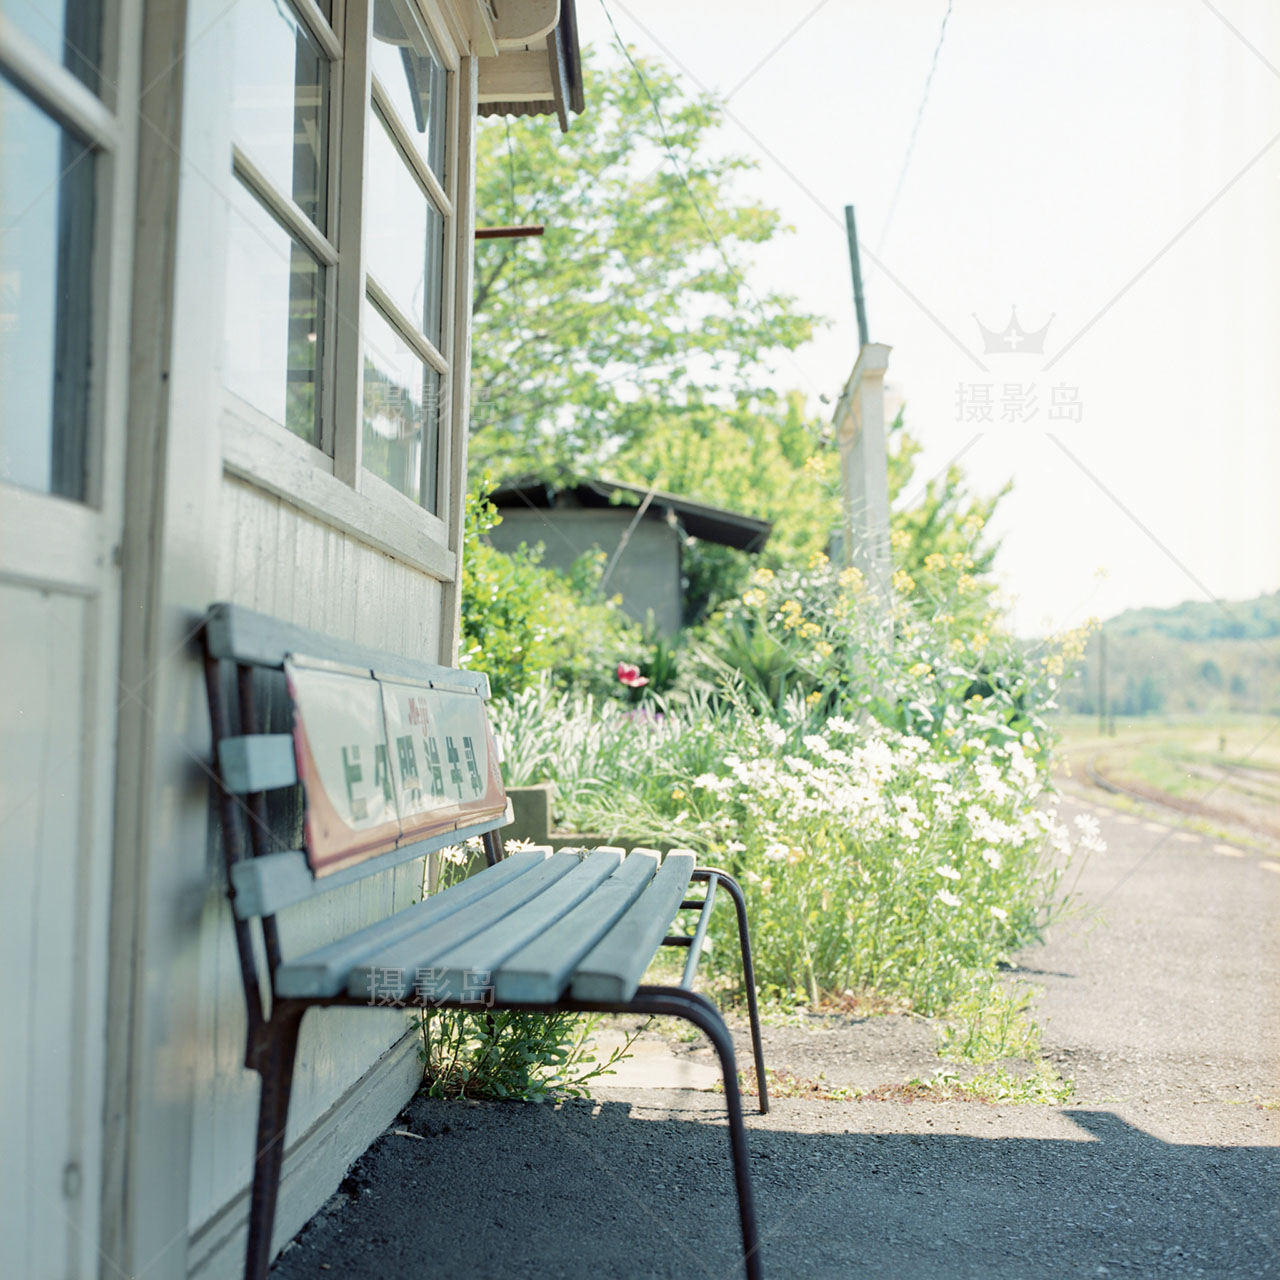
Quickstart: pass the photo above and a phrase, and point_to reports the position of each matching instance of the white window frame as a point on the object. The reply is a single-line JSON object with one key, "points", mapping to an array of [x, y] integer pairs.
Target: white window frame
{"points": [[329, 481], [62, 542]]}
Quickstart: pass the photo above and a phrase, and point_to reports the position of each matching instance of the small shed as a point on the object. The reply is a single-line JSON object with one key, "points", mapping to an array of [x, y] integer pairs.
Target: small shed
{"points": [[643, 532]]}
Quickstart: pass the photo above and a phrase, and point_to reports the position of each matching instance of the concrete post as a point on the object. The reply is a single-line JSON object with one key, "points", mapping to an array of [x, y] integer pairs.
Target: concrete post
{"points": [[864, 473]]}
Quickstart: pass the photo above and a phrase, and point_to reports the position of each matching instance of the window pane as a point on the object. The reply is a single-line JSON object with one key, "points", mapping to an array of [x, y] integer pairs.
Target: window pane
{"points": [[46, 241], [69, 32], [280, 102], [404, 233], [401, 412], [410, 70], [273, 331]]}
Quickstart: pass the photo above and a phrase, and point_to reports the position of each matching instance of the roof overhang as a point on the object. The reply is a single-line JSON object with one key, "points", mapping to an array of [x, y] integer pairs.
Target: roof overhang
{"points": [[538, 67], [697, 519]]}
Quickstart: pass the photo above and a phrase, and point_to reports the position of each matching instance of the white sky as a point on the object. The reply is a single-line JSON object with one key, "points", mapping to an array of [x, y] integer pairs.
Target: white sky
{"points": [[1064, 146]]}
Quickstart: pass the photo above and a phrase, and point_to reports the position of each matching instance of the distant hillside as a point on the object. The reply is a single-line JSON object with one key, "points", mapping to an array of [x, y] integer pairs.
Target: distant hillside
{"points": [[1196, 657], [1203, 620]]}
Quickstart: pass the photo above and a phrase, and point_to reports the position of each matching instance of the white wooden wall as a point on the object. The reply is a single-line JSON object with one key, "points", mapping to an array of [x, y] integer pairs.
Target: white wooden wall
{"points": [[274, 558]]}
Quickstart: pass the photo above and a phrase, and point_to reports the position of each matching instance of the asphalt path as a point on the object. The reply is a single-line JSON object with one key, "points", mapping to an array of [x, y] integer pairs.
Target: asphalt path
{"points": [[1160, 1000]]}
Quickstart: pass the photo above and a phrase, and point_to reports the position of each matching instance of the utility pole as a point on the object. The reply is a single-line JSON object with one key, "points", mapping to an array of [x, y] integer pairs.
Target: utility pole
{"points": [[855, 264], [860, 435], [1102, 683]]}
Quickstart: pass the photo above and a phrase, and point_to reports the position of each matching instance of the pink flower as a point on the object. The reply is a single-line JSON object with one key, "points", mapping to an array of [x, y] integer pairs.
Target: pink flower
{"points": [[631, 677]]}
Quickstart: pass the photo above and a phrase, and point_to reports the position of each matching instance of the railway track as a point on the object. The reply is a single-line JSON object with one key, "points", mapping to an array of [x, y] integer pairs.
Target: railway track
{"points": [[1181, 805]]}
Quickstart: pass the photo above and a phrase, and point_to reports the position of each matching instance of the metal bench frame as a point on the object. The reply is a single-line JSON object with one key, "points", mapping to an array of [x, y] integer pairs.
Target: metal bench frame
{"points": [[273, 1031]]}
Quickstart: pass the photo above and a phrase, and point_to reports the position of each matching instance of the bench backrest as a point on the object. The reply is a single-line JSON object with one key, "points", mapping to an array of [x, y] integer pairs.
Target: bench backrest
{"points": [[366, 759]]}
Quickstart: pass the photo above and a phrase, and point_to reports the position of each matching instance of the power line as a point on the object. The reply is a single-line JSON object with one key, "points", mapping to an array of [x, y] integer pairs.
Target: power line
{"points": [[915, 129]]}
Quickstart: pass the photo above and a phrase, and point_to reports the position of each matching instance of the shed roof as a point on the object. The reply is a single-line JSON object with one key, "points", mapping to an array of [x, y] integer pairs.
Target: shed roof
{"points": [[698, 519]]}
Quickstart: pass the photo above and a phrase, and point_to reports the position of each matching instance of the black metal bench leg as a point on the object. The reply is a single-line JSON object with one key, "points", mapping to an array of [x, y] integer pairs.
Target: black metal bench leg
{"points": [[695, 1008], [748, 974], [276, 1069]]}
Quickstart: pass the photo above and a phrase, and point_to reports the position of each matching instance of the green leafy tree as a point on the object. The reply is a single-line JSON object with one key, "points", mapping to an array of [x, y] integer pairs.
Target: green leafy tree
{"points": [[520, 618], [632, 305], [762, 457]]}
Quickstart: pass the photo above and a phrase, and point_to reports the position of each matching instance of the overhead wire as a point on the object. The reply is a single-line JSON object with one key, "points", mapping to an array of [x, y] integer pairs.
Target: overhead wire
{"points": [[915, 130]]}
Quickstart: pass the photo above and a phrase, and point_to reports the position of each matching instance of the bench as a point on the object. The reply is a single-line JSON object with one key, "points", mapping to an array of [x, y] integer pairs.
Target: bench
{"points": [[334, 762]]}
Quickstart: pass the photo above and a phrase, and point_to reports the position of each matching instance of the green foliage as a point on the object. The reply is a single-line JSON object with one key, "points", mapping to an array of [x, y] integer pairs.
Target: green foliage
{"points": [[988, 1023], [879, 786], [761, 456], [527, 1057], [625, 307], [520, 618], [1199, 657]]}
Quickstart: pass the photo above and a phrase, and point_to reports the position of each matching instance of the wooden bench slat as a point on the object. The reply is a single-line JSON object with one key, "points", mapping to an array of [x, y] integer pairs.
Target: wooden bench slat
{"points": [[538, 972], [257, 762], [612, 969], [244, 635], [394, 969], [474, 961], [268, 884], [324, 971]]}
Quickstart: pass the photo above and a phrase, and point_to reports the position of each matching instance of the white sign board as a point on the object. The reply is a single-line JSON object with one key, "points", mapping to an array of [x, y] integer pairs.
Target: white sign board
{"points": [[386, 763]]}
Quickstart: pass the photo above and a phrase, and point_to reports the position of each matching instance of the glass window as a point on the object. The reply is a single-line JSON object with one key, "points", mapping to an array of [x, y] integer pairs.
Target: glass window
{"points": [[404, 233], [46, 242], [280, 102], [413, 77], [70, 33], [273, 334], [401, 415]]}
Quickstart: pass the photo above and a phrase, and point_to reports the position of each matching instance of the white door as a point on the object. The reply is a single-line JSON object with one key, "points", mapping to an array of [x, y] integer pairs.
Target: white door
{"points": [[66, 129]]}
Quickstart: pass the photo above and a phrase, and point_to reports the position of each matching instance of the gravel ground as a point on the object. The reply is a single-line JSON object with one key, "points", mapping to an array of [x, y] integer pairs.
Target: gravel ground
{"points": [[1160, 1000]]}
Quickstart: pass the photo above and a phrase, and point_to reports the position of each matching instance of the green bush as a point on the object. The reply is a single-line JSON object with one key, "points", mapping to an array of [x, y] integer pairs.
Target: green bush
{"points": [[874, 774], [520, 618]]}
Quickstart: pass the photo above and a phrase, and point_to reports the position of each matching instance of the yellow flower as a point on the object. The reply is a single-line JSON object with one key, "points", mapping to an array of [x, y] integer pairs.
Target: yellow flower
{"points": [[966, 582], [791, 621], [824, 649], [677, 794], [753, 598], [957, 560], [979, 639], [817, 560], [899, 539], [851, 579], [814, 698], [1053, 664], [957, 646], [813, 463], [762, 575], [973, 524], [903, 582], [921, 669], [790, 606], [934, 561], [945, 619], [810, 629]]}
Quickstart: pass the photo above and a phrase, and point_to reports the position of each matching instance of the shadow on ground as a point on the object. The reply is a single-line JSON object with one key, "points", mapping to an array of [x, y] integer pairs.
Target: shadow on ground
{"points": [[591, 1189]]}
